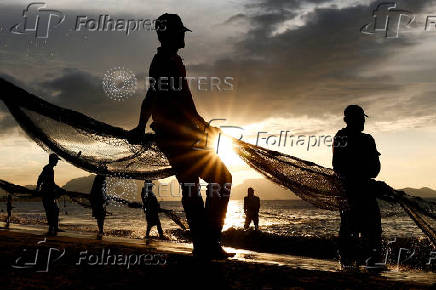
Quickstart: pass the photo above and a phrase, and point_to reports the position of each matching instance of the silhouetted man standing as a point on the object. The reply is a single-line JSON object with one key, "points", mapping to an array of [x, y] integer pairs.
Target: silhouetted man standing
{"points": [[47, 186], [178, 126], [251, 209], [98, 199], [9, 210], [356, 161], [151, 209]]}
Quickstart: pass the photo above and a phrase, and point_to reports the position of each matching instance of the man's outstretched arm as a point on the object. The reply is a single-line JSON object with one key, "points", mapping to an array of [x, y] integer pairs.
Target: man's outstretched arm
{"points": [[135, 135], [38, 183], [145, 112]]}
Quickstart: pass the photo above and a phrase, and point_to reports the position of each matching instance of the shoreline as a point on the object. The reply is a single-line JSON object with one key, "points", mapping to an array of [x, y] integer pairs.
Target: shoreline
{"points": [[248, 270]]}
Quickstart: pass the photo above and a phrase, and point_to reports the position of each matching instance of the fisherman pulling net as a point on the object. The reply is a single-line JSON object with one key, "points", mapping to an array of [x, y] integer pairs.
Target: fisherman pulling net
{"points": [[103, 149], [83, 199]]}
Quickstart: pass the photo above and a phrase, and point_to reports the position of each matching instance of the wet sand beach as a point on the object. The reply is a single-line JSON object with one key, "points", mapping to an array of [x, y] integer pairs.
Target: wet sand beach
{"points": [[77, 260]]}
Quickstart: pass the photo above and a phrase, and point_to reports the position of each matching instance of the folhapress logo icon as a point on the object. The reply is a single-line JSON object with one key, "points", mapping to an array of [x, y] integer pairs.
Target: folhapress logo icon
{"points": [[38, 20], [388, 19]]}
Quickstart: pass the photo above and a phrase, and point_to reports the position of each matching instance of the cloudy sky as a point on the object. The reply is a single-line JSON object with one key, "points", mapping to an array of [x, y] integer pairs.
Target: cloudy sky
{"points": [[295, 66]]}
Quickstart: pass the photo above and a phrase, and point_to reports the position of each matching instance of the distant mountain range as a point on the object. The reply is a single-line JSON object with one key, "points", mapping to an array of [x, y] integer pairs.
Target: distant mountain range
{"points": [[424, 192], [263, 188]]}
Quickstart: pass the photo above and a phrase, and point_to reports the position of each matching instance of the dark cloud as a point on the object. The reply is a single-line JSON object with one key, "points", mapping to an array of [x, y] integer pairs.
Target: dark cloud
{"points": [[236, 18], [82, 91], [313, 69], [275, 5]]}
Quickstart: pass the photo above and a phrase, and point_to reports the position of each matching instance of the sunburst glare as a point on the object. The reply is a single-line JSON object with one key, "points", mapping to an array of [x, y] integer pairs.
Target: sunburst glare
{"points": [[223, 145]]}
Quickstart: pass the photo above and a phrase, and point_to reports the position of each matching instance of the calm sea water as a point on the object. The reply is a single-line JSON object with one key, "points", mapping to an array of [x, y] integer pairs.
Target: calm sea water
{"points": [[284, 218]]}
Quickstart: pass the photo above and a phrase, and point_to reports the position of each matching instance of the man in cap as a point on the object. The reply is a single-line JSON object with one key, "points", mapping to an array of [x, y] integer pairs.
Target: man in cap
{"points": [[356, 162], [49, 189], [251, 209], [178, 127]]}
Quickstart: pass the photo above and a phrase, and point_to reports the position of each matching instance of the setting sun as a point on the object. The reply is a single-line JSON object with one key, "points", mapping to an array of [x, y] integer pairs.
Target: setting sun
{"points": [[223, 145]]}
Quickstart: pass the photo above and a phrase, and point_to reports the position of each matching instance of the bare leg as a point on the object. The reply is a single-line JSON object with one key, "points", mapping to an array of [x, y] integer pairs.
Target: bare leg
{"points": [[147, 233], [256, 222], [247, 222], [159, 229]]}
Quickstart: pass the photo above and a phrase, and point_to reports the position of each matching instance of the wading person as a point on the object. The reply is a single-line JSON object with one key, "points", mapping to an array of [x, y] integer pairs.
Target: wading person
{"points": [[251, 209], [356, 162], [98, 201], [9, 208], [178, 127], [49, 189], [151, 208]]}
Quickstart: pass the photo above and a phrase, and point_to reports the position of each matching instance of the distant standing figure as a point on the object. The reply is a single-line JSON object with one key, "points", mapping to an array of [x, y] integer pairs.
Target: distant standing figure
{"points": [[251, 209], [9, 209], [151, 209], [47, 186], [356, 162], [98, 199]]}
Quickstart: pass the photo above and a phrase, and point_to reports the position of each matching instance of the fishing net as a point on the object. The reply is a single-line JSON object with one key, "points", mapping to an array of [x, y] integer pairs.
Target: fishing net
{"points": [[103, 149], [82, 141], [82, 199]]}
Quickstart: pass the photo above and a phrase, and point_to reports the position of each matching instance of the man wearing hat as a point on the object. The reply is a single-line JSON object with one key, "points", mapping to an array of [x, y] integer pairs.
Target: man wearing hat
{"points": [[49, 189], [178, 127], [356, 162]]}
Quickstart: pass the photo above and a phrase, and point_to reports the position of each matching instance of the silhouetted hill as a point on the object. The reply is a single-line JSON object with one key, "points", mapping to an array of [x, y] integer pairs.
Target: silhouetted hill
{"points": [[84, 184], [81, 184], [424, 192], [3, 194], [263, 188]]}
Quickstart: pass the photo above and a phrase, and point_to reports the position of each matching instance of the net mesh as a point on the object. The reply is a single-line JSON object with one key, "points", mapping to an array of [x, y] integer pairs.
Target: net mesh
{"points": [[103, 149]]}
